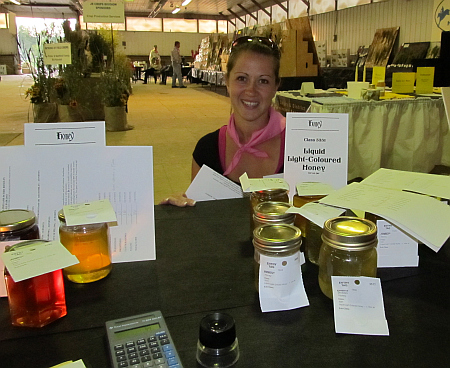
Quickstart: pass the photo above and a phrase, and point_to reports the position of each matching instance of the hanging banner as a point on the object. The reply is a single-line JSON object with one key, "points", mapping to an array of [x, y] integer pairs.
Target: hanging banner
{"points": [[57, 53], [103, 12]]}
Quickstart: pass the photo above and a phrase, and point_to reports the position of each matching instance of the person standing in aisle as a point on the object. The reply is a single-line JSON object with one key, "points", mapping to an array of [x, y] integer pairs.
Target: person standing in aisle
{"points": [[176, 65], [155, 64]]}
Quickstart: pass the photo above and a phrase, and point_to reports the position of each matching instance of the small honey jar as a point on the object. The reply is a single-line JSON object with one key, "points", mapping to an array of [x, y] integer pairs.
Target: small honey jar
{"points": [[348, 249], [272, 213], [90, 244], [37, 301], [280, 240]]}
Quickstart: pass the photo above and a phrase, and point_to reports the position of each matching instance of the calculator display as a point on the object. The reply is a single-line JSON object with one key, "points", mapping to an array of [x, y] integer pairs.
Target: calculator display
{"points": [[137, 331]]}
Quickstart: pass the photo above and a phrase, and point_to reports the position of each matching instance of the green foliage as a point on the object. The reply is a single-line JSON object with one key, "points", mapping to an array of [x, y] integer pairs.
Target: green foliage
{"points": [[42, 74], [115, 84]]}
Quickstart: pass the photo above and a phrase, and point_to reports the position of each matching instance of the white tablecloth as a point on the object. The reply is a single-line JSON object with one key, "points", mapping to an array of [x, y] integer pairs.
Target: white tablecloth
{"points": [[403, 134]]}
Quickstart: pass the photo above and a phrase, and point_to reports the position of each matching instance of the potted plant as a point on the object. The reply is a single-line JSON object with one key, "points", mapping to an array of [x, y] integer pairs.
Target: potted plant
{"points": [[115, 90], [40, 93]]}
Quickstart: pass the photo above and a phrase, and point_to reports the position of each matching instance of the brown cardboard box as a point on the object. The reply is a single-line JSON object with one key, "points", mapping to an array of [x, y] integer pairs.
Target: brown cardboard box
{"points": [[296, 60]]}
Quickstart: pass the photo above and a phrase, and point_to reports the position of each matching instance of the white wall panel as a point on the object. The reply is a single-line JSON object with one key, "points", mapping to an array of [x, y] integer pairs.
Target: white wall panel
{"points": [[356, 26], [140, 43]]}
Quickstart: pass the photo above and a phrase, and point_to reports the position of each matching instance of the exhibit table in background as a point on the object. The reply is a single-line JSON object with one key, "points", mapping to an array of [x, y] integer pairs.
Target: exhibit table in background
{"points": [[401, 134], [205, 263]]}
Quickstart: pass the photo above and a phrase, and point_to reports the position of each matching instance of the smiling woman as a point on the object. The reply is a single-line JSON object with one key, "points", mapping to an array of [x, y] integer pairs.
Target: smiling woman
{"points": [[253, 140]]}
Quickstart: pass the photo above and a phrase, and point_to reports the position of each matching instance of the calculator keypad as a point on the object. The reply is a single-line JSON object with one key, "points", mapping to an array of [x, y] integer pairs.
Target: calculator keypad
{"points": [[153, 352]]}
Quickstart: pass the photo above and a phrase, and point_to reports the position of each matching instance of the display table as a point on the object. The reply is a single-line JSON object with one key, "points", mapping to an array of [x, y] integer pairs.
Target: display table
{"points": [[205, 263], [401, 134]]}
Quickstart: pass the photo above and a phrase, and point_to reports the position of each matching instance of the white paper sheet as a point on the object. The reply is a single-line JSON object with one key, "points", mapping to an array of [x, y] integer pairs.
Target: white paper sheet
{"points": [[434, 185], [62, 134], [45, 179], [281, 283], [209, 185], [316, 212], [395, 248], [256, 184], [358, 306], [422, 217], [316, 149]]}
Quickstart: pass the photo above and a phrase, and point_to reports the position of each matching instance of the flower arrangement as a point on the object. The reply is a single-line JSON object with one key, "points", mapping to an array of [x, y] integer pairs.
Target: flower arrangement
{"points": [[35, 94]]}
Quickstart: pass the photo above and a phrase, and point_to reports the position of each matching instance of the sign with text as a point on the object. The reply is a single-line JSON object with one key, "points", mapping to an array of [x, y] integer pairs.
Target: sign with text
{"points": [[103, 12], [425, 80], [57, 53], [378, 74], [316, 149], [403, 82], [90, 133]]}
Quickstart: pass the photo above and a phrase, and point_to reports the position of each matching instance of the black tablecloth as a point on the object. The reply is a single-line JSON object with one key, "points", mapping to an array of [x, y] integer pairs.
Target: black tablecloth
{"points": [[205, 263]]}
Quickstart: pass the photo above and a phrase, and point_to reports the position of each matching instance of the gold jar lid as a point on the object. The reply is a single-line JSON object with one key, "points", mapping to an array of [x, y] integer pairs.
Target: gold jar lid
{"points": [[350, 233], [277, 238], [273, 211], [273, 191], [27, 243], [16, 219]]}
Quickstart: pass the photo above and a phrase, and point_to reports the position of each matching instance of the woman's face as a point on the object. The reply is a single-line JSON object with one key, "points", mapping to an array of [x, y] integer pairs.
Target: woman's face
{"points": [[252, 85]]}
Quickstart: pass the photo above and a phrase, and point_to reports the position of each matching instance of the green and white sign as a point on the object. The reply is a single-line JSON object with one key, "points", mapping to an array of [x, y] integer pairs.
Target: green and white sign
{"points": [[103, 12], [57, 53]]}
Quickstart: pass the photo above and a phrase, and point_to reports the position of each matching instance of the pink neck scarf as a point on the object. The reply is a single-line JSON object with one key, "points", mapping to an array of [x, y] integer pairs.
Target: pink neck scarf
{"points": [[276, 124]]}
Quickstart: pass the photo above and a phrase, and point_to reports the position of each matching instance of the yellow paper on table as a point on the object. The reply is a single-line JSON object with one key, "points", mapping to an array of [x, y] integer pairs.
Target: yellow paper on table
{"points": [[425, 80], [378, 74], [403, 82]]}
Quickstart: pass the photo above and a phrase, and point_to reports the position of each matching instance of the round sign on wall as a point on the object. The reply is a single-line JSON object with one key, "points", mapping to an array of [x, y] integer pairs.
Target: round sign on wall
{"points": [[442, 15]]}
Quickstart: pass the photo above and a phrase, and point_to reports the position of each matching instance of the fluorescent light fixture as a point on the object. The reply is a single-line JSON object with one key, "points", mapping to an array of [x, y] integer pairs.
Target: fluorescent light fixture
{"points": [[176, 10], [15, 2], [185, 2]]}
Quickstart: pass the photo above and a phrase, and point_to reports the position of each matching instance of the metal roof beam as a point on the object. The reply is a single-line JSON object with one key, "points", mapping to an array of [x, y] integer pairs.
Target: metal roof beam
{"points": [[251, 14], [260, 7], [281, 5], [236, 16]]}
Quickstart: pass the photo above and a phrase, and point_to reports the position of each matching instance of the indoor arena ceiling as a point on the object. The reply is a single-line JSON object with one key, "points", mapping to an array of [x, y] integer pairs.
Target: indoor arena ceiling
{"points": [[197, 9]]}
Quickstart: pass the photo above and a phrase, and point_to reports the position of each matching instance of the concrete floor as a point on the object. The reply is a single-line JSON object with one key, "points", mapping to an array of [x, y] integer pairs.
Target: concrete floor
{"points": [[170, 120]]}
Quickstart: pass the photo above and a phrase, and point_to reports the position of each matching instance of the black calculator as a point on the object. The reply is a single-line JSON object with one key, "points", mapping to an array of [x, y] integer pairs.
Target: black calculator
{"points": [[141, 341]]}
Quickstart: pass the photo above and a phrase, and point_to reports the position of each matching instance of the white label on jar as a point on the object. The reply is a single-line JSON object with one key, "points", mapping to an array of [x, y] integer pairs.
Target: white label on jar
{"points": [[281, 284]]}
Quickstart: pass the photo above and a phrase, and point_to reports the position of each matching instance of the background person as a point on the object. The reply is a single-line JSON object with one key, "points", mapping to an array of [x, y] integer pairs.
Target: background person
{"points": [[176, 65], [155, 64], [253, 140]]}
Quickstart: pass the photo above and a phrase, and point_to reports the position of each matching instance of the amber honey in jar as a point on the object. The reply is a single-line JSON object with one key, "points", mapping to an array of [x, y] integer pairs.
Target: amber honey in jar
{"points": [[281, 240], [90, 244], [348, 249], [311, 233], [272, 213], [18, 224], [37, 301]]}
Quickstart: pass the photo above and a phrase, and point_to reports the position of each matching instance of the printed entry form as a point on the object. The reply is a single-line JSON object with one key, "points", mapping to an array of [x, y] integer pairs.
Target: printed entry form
{"points": [[45, 179]]}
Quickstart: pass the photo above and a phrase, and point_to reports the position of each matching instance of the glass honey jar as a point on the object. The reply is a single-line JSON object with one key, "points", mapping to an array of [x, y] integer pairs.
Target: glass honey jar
{"points": [[90, 244], [272, 213], [37, 301], [18, 224], [311, 233], [348, 249], [281, 240], [269, 195]]}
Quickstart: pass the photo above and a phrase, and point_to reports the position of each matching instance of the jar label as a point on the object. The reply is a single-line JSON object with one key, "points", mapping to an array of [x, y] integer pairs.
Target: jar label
{"points": [[281, 283]]}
